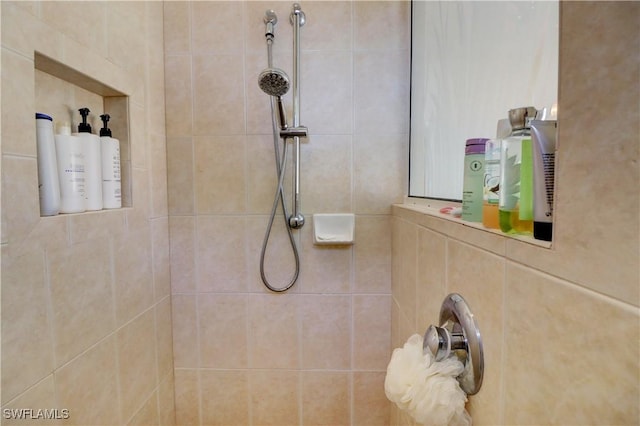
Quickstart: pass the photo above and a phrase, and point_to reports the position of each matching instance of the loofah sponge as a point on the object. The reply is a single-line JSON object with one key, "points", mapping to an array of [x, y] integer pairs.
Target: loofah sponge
{"points": [[425, 389]]}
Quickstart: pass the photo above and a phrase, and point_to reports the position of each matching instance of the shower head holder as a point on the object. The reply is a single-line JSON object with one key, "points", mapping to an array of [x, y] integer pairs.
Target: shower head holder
{"points": [[458, 335]]}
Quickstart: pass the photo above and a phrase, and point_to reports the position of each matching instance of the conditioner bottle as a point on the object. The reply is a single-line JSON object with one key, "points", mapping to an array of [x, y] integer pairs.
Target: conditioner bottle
{"points": [[111, 182]]}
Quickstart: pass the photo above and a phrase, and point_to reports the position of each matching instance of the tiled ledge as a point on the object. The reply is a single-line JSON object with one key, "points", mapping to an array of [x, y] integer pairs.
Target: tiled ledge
{"points": [[426, 213]]}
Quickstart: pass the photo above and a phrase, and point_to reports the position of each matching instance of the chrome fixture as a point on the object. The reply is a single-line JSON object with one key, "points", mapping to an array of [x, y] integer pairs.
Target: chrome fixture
{"points": [[458, 335], [275, 83]]}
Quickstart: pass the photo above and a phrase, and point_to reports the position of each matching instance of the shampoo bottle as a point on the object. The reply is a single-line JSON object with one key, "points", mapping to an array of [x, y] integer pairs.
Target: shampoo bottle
{"points": [[48, 186], [473, 180], [70, 157], [111, 183], [515, 206], [93, 163]]}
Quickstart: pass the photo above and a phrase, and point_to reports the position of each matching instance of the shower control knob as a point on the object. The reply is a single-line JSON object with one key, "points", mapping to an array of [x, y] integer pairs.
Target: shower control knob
{"points": [[437, 341]]}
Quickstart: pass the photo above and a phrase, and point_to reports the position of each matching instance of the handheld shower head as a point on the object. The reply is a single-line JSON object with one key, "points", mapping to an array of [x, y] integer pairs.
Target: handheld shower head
{"points": [[275, 82]]}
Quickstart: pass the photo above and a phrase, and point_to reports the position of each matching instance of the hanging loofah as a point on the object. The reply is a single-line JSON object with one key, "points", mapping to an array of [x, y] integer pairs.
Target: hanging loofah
{"points": [[425, 389]]}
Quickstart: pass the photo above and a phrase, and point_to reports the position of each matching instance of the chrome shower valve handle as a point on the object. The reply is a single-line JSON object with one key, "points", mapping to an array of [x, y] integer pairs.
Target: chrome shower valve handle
{"points": [[458, 335]]}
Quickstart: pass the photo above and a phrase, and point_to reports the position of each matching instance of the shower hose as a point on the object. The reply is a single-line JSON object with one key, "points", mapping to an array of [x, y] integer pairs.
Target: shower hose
{"points": [[279, 197]]}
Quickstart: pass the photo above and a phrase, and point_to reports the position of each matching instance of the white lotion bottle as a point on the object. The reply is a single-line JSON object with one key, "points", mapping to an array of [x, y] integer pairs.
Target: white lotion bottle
{"points": [[111, 181], [93, 163], [48, 186], [70, 158]]}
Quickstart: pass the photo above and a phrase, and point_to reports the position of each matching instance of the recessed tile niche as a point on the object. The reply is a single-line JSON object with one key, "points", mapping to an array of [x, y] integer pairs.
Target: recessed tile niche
{"points": [[60, 91]]}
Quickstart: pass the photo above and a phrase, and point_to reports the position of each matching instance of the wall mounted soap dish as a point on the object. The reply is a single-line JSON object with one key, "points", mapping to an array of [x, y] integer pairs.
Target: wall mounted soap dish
{"points": [[333, 228]]}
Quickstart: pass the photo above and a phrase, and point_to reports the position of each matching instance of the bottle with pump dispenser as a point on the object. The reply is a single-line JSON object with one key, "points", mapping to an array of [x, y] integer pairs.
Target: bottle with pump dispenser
{"points": [[111, 181], [48, 186], [516, 175], [93, 163], [70, 157]]}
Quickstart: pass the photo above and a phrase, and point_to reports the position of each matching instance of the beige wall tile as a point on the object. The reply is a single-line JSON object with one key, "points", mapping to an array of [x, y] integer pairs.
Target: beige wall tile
{"points": [[187, 397], [404, 267], [21, 212], [80, 277], [139, 135], [573, 380], [326, 398], [158, 174], [220, 175], [225, 397], [372, 254], [395, 34], [178, 96], [147, 415], [326, 332], [325, 183], [222, 328], [371, 332], [274, 405], [101, 225], [132, 275], [379, 172], [182, 231], [166, 403], [217, 81], [315, 277], [262, 176], [177, 27], [39, 397], [227, 36], [331, 26], [87, 386], [273, 331], [185, 331], [22, 30], [180, 176], [327, 79], [85, 25], [221, 254], [161, 261], [381, 73], [137, 370], [164, 338], [370, 405], [431, 284], [27, 346]]}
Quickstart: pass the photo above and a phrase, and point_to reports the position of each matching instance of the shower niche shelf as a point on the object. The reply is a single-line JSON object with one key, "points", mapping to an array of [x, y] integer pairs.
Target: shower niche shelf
{"points": [[60, 91]]}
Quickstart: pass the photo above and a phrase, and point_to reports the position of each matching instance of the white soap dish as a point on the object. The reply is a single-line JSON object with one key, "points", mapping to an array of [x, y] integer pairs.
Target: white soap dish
{"points": [[333, 228]]}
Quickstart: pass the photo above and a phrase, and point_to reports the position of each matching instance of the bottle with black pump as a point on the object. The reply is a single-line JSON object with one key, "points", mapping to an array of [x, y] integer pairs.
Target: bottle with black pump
{"points": [[111, 181], [93, 162]]}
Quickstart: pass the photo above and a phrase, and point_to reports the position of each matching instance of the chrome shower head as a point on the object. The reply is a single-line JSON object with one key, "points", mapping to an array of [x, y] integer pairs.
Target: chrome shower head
{"points": [[274, 82]]}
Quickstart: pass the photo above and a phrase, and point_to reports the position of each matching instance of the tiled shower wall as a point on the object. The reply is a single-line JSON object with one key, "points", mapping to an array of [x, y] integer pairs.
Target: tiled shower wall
{"points": [[555, 322], [317, 354], [86, 313]]}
